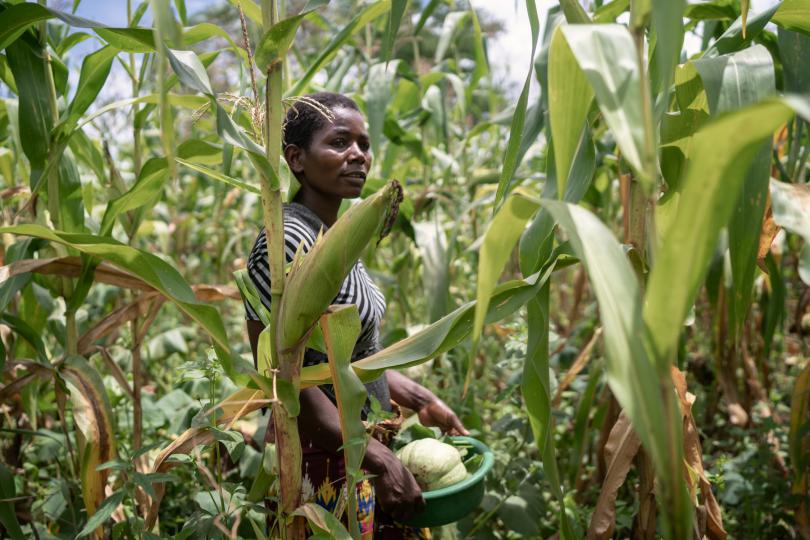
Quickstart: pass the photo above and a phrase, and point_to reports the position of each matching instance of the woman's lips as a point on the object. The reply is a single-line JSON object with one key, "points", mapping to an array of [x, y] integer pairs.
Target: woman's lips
{"points": [[355, 179]]}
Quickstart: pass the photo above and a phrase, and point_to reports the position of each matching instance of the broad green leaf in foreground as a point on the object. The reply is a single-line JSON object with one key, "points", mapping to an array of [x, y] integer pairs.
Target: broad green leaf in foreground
{"points": [[569, 98], [95, 69], [721, 153], [14, 20], [630, 370], [443, 335], [606, 53], [733, 40], [341, 327], [398, 8], [157, 273], [733, 81], [510, 160], [793, 15]]}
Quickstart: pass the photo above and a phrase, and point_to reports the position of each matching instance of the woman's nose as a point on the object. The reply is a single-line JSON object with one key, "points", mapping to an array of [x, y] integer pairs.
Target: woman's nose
{"points": [[356, 154]]}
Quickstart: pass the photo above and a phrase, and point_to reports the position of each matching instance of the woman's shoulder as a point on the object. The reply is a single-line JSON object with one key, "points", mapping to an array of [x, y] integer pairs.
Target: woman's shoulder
{"points": [[300, 229]]}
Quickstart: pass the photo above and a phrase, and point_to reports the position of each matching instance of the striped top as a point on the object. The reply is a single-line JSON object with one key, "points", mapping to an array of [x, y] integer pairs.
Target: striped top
{"points": [[301, 228]]}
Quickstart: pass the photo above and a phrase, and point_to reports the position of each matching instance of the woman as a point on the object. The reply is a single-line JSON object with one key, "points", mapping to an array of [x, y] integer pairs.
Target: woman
{"points": [[330, 158]]}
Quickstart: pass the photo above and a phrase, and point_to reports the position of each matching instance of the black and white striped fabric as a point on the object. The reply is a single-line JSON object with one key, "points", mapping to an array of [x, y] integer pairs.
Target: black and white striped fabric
{"points": [[301, 227]]}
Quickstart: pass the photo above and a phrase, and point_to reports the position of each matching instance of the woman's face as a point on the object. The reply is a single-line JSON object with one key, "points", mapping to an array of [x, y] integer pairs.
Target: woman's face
{"points": [[338, 159]]}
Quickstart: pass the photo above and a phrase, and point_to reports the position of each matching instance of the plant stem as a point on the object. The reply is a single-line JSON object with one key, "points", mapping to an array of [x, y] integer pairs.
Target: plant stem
{"points": [[288, 362]]}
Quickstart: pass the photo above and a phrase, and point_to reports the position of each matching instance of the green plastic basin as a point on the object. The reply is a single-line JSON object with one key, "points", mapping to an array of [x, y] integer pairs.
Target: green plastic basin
{"points": [[450, 504]]}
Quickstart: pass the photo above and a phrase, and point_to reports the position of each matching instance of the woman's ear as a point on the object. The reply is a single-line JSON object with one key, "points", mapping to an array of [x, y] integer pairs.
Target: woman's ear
{"points": [[294, 155]]}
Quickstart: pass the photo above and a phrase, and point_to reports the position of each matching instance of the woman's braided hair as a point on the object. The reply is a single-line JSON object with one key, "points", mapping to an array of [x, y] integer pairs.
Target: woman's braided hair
{"points": [[309, 113]]}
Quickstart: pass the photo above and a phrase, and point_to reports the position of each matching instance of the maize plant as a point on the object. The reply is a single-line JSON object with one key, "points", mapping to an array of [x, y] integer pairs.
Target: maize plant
{"points": [[603, 265]]}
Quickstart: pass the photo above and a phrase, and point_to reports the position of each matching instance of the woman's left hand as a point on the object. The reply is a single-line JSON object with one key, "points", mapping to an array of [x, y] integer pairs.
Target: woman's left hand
{"points": [[437, 413]]}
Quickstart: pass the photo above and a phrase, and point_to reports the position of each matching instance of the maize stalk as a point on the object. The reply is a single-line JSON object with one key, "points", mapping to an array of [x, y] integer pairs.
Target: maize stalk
{"points": [[313, 282]]}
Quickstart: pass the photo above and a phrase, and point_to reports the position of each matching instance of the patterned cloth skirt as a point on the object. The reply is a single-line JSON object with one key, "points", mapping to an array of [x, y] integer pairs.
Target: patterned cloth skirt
{"points": [[324, 482]]}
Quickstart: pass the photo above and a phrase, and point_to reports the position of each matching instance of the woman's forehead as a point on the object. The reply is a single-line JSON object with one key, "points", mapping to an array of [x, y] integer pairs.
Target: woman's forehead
{"points": [[346, 119]]}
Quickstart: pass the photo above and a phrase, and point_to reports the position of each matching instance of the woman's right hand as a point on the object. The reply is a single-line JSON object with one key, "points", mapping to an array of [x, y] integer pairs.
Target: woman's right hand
{"points": [[396, 490]]}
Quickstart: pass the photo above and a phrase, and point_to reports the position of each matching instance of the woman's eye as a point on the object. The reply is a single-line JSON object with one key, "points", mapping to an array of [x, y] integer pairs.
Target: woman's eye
{"points": [[339, 142]]}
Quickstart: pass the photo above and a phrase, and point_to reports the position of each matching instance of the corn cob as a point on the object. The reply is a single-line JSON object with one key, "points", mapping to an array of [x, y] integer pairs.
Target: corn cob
{"points": [[315, 281]]}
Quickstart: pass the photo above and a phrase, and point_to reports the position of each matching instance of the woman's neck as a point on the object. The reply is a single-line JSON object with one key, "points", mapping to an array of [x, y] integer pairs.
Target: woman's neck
{"points": [[325, 208]]}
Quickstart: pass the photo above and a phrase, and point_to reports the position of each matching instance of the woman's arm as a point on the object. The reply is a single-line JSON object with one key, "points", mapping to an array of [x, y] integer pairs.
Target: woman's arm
{"points": [[432, 410], [319, 421]]}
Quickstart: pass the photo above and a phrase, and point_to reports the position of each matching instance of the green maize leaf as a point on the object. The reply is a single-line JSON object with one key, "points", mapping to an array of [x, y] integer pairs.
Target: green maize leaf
{"points": [[202, 31], [574, 12], [735, 80], [71, 41], [71, 205], [145, 191], [341, 328], [275, 43], [446, 333], [536, 391], [178, 100], [378, 95], [481, 62], [368, 14], [731, 82], [202, 151], [14, 20], [537, 239], [105, 511], [24, 330], [721, 153], [711, 11], [26, 63], [425, 15], [157, 273], [94, 421], [733, 40], [677, 128], [8, 516], [581, 430], [608, 12], [181, 10], [569, 99], [265, 476], [218, 176], [452, 22], [398, 8], [323, 522], [510, 160], [86, 151], [794, 49], [500, 238], [190, 70], [667, 19], [606, 53], [95, 69], [793, 15], [236, 136], [19, 250], [436, 259], [6, 75], [631, 372], [166, 35]]}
